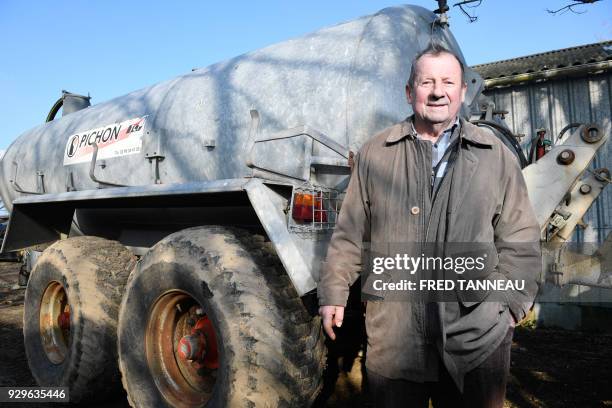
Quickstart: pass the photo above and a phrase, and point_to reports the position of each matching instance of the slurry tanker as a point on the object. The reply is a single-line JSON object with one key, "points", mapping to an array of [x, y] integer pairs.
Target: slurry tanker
{"points": [[183, 225]]}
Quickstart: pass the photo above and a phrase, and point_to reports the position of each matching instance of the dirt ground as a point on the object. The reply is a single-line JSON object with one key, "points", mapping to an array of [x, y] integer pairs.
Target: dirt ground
{"points": [[550, 368]]}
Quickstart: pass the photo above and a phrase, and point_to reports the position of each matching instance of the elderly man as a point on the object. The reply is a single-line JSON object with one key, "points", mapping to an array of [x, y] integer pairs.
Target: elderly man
{"points": [[435, 178]]}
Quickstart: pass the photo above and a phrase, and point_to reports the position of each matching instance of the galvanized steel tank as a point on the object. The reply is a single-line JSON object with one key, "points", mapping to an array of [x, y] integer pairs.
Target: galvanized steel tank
{"points": [[346, 81]]}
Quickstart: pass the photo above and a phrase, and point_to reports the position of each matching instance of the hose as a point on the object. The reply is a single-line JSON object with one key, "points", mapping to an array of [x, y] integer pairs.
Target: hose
{"points": [[508, 137], [565, 129], [532, 149], [54, 109]]}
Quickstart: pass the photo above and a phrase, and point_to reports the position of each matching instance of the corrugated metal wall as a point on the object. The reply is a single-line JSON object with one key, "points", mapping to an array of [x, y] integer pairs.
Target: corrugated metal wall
{"points": [[555, 104]]}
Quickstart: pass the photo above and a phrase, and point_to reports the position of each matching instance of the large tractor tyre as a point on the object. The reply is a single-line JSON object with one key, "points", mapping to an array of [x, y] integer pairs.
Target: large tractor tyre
{"points": [[210, 319], [70, 316]]}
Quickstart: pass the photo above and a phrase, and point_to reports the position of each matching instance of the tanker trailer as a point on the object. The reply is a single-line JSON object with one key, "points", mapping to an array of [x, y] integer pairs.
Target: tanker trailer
{"points": [[183, 224]]}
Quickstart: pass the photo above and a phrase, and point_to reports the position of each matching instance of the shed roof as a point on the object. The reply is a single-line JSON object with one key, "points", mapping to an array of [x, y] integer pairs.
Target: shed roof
{"points": [[558, 59]]}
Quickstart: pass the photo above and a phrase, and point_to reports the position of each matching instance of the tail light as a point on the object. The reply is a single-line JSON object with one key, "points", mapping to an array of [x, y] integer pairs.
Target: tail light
{"points": [[308, 208]]}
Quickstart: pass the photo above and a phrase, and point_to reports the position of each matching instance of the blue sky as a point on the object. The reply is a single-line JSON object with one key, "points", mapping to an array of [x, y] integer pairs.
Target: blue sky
{"points": [[109, 48]]}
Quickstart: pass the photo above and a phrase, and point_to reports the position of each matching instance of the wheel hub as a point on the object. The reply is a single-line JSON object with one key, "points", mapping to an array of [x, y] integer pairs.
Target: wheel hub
{"points": [[181, 350], [192, 347]]}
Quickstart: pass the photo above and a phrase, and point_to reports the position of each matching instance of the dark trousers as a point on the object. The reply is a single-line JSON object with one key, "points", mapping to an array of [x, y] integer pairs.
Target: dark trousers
{"points": [[484, 386]]}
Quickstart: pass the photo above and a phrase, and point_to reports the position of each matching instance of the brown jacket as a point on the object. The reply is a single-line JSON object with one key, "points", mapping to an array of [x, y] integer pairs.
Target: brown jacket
{"points": [[482, 198]]}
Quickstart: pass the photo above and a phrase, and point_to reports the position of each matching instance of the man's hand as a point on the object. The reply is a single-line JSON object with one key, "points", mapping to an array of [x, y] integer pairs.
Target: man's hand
{"points": [[332, 316]]}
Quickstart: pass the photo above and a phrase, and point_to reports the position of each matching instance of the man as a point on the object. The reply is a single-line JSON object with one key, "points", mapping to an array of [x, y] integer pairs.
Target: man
{"points": [[435, 178]]}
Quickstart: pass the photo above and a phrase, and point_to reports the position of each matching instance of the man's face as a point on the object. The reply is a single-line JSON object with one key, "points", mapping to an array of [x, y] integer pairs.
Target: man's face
{"points": [[438, 90]]}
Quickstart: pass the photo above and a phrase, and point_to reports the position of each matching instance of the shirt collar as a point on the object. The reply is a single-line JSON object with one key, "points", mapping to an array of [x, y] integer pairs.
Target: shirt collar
{"points": [[448, 132], [406, 129]]}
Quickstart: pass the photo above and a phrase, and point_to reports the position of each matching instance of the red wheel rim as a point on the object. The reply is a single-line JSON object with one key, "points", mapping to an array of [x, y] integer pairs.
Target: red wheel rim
{"points": [[175, 325]]}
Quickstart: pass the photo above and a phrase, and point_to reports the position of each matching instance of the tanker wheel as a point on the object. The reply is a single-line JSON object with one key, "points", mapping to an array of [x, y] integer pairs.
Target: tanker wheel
{"points": [[70, 316], [210, 319]]}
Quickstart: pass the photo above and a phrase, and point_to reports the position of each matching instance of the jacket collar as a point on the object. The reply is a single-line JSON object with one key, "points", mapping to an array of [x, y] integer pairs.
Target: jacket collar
{"points": [[406, 129]]}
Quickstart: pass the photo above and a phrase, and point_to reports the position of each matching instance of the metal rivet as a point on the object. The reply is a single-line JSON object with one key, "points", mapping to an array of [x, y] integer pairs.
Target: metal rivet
{"points": [[415, 210], [566, 157], [585, 189]]}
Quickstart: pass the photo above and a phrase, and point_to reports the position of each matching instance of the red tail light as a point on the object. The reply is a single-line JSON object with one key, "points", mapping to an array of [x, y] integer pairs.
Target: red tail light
{"points": [[308, 208]]}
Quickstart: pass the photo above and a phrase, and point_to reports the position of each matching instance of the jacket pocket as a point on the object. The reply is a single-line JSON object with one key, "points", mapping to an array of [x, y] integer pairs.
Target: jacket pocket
{"points": [[475, 322], [486, 292]]}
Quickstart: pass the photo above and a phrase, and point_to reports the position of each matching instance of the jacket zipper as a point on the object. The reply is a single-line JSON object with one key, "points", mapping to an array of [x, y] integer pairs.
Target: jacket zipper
{"points": [[458, 147], [431, 180], [425, 218]]}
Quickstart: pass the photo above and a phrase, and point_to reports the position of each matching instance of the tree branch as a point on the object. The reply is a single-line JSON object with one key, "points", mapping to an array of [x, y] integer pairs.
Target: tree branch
{"points": [[465, 3], [570, 7]]}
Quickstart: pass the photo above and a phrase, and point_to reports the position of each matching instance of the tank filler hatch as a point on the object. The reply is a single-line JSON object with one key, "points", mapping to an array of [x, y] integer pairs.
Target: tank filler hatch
{"points": [[70, 102]]}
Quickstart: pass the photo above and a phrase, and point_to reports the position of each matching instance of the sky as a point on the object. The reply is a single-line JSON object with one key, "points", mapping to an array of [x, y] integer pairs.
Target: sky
{"points": [[109, 48]]}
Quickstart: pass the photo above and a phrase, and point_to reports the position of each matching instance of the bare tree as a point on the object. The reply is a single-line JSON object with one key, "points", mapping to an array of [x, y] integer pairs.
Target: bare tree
{"points": [[464, 5]]}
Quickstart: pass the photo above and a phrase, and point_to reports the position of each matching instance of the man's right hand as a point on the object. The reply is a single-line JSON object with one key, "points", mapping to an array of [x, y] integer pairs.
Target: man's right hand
{"points": [[332, 316]]}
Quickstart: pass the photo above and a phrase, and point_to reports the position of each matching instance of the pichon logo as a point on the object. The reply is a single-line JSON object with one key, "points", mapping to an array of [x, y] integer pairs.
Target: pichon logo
{"points": [[112, 141], [73, 145]]}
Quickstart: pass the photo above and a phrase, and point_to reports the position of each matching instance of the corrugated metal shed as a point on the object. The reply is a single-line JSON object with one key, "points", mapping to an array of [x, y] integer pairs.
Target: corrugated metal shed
{"points": [[574, 93]]}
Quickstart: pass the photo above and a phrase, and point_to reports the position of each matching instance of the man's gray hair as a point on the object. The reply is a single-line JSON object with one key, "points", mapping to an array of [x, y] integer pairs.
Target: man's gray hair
{"points": [[433, 49]]}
